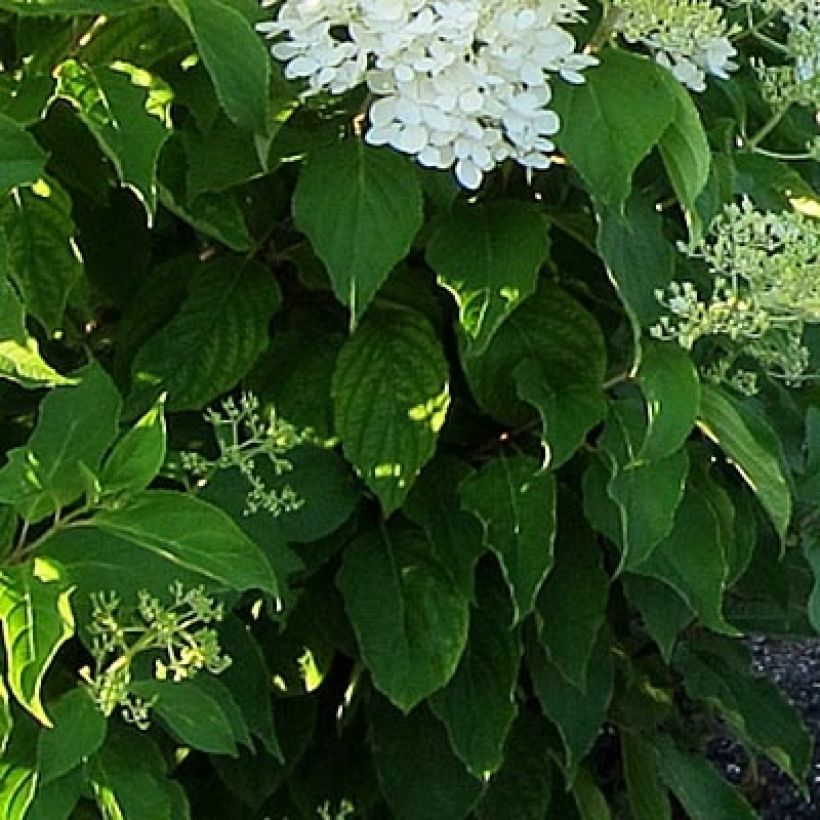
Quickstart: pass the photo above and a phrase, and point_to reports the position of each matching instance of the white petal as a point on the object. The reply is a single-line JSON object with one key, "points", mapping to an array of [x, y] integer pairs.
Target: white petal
{"points": [[468, 174]]}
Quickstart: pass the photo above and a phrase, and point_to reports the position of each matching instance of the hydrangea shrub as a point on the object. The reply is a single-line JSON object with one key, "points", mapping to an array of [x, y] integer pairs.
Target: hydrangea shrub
{"points": [[408, 407]]}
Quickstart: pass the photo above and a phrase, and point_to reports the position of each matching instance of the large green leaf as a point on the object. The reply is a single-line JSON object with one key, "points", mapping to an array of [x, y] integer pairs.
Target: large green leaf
{"points": [[127, 114], [72, 7], [719, 673], [391, 395], [671, 388], [477, 707], [75, 427], [79, 731], [573, 600], [20, 358], [488, 255], [205, 349], [37, 620], [235, 56], [434, 505], [691, 561], [611, 121], [195, 717], [159, 535], [700, 788], [420, 775], [361, 208], [23, 160], [754, 450], [565, 347], [515, 503], [57, 799], [409, 616], [522, 788], [578, 715], [43, 261], [685, 152]]}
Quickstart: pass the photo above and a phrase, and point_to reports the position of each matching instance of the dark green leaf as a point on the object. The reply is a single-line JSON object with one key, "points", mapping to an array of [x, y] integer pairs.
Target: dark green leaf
{"points": [[76, 425], [647, 793], [420, 775], [212, 342], [391, 395], [23, 159], [409, 616], [127, 112], [477, 707], [72, 7], [753, 448], [515, 503], [361, 208], [57, 799], [701, 790], [592, 805], [488, 255], [79, 731], [611, 121], [236, 59], [43, 261], [37, 620], [160, 532]]}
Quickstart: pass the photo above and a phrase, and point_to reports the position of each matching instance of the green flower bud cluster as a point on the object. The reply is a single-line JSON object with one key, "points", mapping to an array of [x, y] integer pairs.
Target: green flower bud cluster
{"points": [[766, 287], [178, 634], [244, 436]]}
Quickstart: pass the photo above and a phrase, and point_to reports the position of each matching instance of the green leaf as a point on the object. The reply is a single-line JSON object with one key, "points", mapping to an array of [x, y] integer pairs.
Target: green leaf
{"points": [[754, 450], [566, 344], [434, 505], [516, 505], [360, 207], [57, 799], [477, 706], [701, 790], [75, 426], [418, 772], [612, 120], [18, 773], [20, 359], [137, 457], [74, 7], [573, 600], [159, 532], [592, 805], [127, 112], [639, 258], [235, 56], [409, 616], [129, 781], [37, 620], [79, 731], [578, 715], [390, 395], [23, 159], [192, 714], [522, 788], [717, 672], [671, 388], [685, 152], [690, 560], [648, 798], [43, 261], [213, 340], [488, 255], [665, 614]]}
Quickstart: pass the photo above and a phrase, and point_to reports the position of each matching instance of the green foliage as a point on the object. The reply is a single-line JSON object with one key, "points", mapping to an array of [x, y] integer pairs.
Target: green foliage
{"points": [[450, 525]]}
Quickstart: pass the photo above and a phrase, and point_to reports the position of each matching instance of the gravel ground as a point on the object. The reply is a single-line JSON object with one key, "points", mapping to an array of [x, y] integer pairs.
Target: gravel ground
{"points": [[795, 667]]}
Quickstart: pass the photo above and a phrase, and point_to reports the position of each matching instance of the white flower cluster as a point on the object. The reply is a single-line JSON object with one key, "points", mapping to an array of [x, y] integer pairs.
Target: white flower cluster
{"points": [[766, 288], [689, 37], [459, 83]]}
